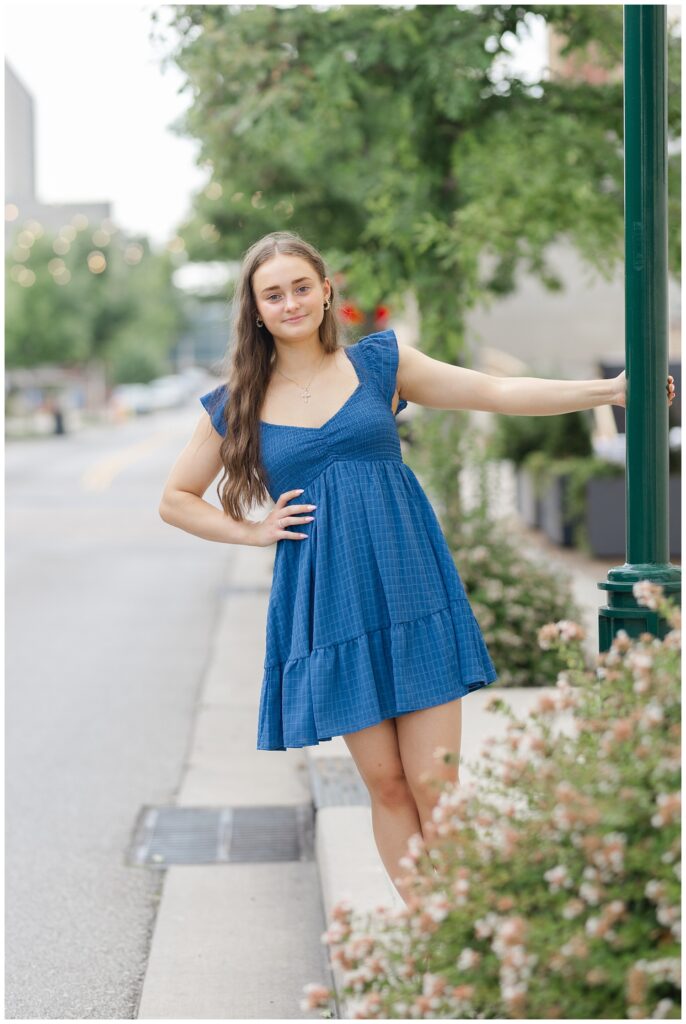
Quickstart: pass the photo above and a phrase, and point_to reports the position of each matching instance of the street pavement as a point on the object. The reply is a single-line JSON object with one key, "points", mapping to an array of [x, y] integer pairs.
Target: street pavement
{"points": [[109, 615]]}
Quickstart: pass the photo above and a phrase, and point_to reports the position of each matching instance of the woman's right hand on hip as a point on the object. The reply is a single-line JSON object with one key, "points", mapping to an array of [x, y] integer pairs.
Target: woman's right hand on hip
{"points": [[273, 527]]}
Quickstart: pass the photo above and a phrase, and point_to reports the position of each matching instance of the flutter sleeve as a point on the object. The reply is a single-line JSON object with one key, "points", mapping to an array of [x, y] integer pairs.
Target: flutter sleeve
{"points": [[381, 361], [215, 404]]}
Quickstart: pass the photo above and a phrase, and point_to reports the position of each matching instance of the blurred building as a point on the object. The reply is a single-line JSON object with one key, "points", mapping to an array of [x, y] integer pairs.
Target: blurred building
{"points": [[21, 200], [80, 387], [578, 66], [587, 66], [205, 339]]}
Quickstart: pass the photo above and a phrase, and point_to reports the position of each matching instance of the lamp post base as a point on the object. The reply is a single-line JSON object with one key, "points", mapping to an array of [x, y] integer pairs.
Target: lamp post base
{"points": [[622, 610]]}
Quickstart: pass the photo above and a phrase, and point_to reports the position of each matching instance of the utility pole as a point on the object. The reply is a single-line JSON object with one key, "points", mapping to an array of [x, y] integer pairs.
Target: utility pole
{"points": [[646, 327]]}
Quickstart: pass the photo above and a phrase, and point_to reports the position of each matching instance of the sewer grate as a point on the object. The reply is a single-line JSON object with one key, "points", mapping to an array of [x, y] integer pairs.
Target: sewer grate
{"points": [[222, 835], [335, 781]]}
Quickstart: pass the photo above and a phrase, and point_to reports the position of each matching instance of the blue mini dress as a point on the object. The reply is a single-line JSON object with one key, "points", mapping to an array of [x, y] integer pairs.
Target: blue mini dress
{"points": [[368, 617]]}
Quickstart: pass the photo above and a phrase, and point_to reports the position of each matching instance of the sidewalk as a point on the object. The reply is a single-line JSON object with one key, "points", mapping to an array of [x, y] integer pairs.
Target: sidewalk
{"points": [[239, 940]]}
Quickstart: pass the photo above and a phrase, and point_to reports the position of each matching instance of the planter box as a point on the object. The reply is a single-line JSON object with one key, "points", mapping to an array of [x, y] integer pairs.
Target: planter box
{"points": [[553, 520], [528, 504], [606, 516]]}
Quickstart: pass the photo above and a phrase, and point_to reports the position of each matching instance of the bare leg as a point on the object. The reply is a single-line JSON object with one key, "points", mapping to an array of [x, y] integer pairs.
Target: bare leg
{"points": [[394, 812], [393, 824], [419, 733]]}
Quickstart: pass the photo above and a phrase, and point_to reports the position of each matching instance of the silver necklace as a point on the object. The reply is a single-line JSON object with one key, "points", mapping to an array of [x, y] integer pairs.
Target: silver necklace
{"points": [[305, 392]]}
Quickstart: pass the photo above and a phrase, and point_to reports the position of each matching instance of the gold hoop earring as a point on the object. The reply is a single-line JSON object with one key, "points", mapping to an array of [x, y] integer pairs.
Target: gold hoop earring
{"points": [[259, 321], [327, 304]]}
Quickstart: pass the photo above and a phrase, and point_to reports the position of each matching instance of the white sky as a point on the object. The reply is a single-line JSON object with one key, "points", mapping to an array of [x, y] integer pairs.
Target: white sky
{"points": [[102, 106]]}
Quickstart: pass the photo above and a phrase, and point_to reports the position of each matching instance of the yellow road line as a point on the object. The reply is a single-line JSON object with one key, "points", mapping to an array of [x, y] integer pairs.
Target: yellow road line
{"points": [[100, 476]]}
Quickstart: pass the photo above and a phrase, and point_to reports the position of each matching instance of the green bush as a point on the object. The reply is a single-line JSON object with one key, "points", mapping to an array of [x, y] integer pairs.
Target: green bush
{"points": [[580, 469], [549, 887], [514, 437], [512, 596]]}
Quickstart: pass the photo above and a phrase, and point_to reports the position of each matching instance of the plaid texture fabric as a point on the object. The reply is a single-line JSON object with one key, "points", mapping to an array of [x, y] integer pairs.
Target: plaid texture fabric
{"points": [[368, 617]]}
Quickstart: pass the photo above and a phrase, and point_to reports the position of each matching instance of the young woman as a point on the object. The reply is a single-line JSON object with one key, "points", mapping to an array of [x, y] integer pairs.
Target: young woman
{"points": [[369, 634]]}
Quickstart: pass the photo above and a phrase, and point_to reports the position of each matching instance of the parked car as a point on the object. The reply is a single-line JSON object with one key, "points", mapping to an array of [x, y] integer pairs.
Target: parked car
{"points": [[134, 399], [169, 392]]}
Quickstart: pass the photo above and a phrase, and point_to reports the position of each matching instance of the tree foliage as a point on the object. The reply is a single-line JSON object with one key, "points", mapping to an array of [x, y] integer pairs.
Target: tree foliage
{"points": [[59, 311], [393, 139]]}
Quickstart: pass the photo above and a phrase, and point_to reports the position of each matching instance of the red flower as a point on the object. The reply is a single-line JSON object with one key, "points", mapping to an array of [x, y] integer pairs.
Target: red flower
{"points": [[351, 313]]}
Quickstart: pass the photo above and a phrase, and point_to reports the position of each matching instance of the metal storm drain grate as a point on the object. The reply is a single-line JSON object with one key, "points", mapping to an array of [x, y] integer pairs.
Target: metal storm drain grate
{"points": [[222, 835], [335, 781]]}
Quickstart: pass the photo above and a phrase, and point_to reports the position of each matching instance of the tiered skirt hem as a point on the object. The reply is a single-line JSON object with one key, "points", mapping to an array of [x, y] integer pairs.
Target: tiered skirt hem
{"points": [[346, 686]]}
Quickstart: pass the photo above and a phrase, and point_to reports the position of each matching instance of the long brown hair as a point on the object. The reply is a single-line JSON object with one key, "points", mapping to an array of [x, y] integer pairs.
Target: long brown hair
{"points": [[243, 481]]}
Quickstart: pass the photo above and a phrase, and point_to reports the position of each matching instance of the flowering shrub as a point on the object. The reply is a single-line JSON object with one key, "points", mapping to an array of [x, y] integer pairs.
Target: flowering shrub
{"points": [[549, 887], [512, 598]]}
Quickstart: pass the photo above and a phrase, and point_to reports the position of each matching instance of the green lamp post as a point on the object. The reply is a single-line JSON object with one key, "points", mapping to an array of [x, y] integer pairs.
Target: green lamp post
{"points": [[647, 360]]}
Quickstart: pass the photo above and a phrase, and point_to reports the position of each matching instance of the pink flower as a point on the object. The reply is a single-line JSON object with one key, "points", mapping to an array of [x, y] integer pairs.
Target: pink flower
{"points": [[647, 593], [570, 630], [316, 996], [342, 910]]}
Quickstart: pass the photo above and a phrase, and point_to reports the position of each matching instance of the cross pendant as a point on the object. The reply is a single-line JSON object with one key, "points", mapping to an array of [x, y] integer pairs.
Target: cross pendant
{"points": [[306, 393]]}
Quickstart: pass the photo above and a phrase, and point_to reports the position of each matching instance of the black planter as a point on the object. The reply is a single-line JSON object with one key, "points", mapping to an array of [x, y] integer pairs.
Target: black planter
{"points": [[606, 516], [553, 519], [528, 503]]}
